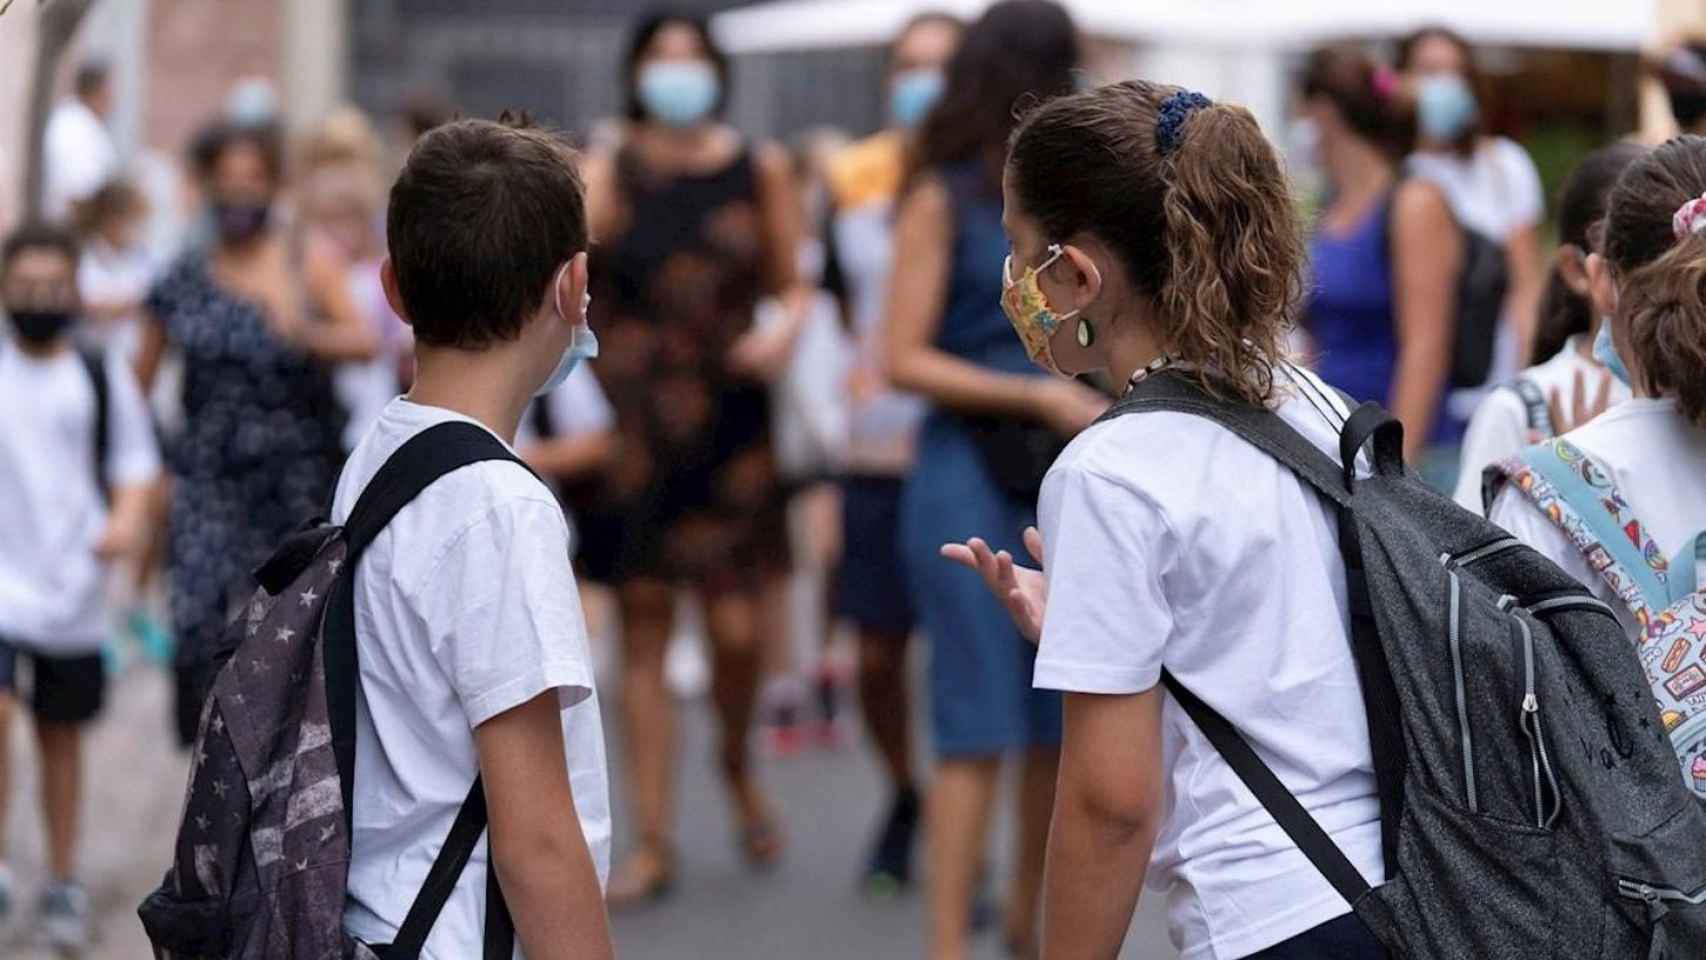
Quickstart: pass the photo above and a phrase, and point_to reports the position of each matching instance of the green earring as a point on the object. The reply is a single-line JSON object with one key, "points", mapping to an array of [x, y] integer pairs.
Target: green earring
{"points": [[1086, 333]]}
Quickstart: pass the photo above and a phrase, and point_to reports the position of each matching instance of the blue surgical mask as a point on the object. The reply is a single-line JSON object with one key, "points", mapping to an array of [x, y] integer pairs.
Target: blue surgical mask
{"points": [[1445, 106], [583, 343], [1605, 351], [912, 94], [679, 93]]}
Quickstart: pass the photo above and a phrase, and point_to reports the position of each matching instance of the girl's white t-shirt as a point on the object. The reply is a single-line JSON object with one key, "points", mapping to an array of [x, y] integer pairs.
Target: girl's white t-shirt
{"points": [[1658, 461], [1170, 541], [1499, 428]]}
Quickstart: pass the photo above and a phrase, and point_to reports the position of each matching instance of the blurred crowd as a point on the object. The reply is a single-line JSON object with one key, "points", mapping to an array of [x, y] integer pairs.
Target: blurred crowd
{"points": [[806, 386]]}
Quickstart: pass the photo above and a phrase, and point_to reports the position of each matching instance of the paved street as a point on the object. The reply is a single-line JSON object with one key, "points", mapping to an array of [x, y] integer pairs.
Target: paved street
{"points": [[807, 908]]}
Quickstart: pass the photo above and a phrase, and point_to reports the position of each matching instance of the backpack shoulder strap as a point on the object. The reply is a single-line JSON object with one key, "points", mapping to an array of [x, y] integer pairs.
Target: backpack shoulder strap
{"points": [[416, 465], [1579, 496], [95, 363], [1537, 414], [1687, 569]]}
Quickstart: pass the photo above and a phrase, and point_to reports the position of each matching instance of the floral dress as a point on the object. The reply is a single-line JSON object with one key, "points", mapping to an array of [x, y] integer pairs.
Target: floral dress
{"points": [[693, 493], [257, 456]]}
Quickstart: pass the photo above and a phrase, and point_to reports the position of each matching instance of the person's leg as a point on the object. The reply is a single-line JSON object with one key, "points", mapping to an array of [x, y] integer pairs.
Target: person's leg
{"points": [[1036, 805], [67, 694], [734, 621], [647, 609], [884, 701], [61, 747], [956, 826]]}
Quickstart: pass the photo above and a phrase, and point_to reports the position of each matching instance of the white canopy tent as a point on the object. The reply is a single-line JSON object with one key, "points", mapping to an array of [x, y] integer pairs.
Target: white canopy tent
{"points": [[1262, 24], [1230, 49]]}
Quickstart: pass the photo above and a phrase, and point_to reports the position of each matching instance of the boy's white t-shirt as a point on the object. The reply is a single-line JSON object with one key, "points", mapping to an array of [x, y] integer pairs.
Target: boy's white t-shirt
{"points": [[1169, 541], [52, 587], [1499, 428], [1658, 461], [465, 607], [106, 274]]}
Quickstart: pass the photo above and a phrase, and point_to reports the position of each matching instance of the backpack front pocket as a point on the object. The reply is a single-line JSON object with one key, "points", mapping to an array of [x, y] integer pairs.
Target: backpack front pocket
{"points": [[1661, 885]]}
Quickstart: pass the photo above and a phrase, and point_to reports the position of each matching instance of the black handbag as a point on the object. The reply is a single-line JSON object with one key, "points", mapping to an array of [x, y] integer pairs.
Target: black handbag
{"points": [[1016, 453]]}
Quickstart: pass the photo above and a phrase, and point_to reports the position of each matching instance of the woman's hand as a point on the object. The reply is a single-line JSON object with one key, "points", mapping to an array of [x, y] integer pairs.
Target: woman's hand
{"points": [[1067, 406], [1581, 407], [1022, 590]]}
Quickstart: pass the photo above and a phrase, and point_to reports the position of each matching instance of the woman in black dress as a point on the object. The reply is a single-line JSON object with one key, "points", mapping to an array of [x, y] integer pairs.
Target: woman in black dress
{"points": [[694, 224], [256, 322]]}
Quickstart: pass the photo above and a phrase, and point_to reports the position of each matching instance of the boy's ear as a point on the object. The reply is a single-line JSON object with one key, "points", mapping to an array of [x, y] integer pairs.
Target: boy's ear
{"points": [[579, 278], [388, 280]]}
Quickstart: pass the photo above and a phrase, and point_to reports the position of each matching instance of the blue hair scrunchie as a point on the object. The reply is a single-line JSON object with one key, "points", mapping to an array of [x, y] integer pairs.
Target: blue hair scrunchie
{"points": [[1175, 110]]}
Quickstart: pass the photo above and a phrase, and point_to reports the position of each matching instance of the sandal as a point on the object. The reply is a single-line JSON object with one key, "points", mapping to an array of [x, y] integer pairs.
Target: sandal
{"points": [[647, 876]]}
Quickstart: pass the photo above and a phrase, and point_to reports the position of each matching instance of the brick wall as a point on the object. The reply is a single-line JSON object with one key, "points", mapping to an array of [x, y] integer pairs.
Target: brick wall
{"points": [[196, 50]]}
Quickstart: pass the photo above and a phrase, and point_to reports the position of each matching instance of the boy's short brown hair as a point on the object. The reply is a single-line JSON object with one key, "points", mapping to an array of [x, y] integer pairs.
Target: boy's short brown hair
{"points": [[479, 221]]}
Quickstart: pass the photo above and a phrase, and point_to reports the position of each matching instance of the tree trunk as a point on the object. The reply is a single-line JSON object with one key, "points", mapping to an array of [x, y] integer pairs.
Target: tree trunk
{"points": [[56, 27]]}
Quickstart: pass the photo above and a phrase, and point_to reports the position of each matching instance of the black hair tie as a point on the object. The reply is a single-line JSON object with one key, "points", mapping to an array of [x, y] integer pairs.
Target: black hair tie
{"points": [[1175, 110]]}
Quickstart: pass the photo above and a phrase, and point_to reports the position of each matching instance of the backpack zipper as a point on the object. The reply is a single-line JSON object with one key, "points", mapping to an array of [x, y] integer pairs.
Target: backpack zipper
{"points": [[1529, 720], [1454, 631], [1482, 552], [1640, 890]]}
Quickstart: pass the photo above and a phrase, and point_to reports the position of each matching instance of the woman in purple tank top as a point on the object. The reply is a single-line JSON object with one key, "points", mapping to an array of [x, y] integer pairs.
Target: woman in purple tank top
{"points": [[1385, 252]]}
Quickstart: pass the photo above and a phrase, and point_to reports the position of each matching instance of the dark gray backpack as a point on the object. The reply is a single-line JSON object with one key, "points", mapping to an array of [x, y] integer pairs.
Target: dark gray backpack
{"points": [[263, 850], [1530, 801]]}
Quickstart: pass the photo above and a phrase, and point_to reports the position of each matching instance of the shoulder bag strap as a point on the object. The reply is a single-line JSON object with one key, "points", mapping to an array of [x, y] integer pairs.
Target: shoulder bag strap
{"points": [[95, 364], [416, 465]]}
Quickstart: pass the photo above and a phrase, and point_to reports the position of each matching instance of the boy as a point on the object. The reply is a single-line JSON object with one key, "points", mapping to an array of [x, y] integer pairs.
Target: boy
{"points": [[71, 504], [473, 648]]}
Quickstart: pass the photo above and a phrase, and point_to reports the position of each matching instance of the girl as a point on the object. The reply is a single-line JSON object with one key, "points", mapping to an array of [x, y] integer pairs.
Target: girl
{"points": [[1534, 408], [978, 462], [1153, 229], [1385, 256], [694, 225], [1651, 448]]}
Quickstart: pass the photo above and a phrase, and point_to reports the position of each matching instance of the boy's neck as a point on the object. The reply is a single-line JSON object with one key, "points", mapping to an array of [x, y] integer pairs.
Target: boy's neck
{"points": [[485, 386]]}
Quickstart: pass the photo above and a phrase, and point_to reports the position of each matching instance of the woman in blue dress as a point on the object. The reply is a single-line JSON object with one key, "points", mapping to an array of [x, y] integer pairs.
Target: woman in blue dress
{"points": [[994, 425]]}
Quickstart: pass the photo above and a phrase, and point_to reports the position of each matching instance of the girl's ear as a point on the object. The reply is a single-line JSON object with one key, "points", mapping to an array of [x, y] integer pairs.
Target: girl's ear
{"points": [[1602, 286], [1572, 266], [1086, 277]]}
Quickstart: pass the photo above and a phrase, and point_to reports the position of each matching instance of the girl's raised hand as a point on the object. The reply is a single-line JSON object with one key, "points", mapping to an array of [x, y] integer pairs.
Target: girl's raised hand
{"points": [[1022, 590]]}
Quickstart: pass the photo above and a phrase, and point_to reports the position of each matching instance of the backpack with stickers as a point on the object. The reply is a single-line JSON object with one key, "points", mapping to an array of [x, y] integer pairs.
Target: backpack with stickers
{"points": [[263, 850], [1665, 595]]}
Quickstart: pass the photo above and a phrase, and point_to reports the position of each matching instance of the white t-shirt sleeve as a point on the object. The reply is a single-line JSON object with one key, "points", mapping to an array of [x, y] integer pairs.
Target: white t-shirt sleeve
{"points": [[1517, 514], [1107, 549], [1521, 180], [1498, 430], [504, 613], [579, 406], [133, 457]]}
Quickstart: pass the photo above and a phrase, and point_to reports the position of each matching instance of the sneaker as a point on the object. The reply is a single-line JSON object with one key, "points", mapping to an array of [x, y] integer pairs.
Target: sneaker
{"points": [[889, 871], [8, 901], [65, 916]]}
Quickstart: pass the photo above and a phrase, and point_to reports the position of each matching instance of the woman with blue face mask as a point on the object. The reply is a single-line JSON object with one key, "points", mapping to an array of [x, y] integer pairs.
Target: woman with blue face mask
{"points": [[1491, 182], [694, 224]]}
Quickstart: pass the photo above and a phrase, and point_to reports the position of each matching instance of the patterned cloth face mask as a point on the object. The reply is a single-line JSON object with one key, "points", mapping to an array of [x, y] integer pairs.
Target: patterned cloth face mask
{"points": [[1028, 311]]}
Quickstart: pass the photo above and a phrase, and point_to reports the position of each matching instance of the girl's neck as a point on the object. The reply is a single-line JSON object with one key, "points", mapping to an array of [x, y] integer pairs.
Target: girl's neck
{"points": [[1131, 347], [1358, 169]]}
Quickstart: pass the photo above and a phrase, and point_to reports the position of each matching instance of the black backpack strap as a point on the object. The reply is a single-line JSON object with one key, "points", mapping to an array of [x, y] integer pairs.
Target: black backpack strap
{"points": [[1297, 823], [1267, 431], [95, 364], [416, 465]]}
